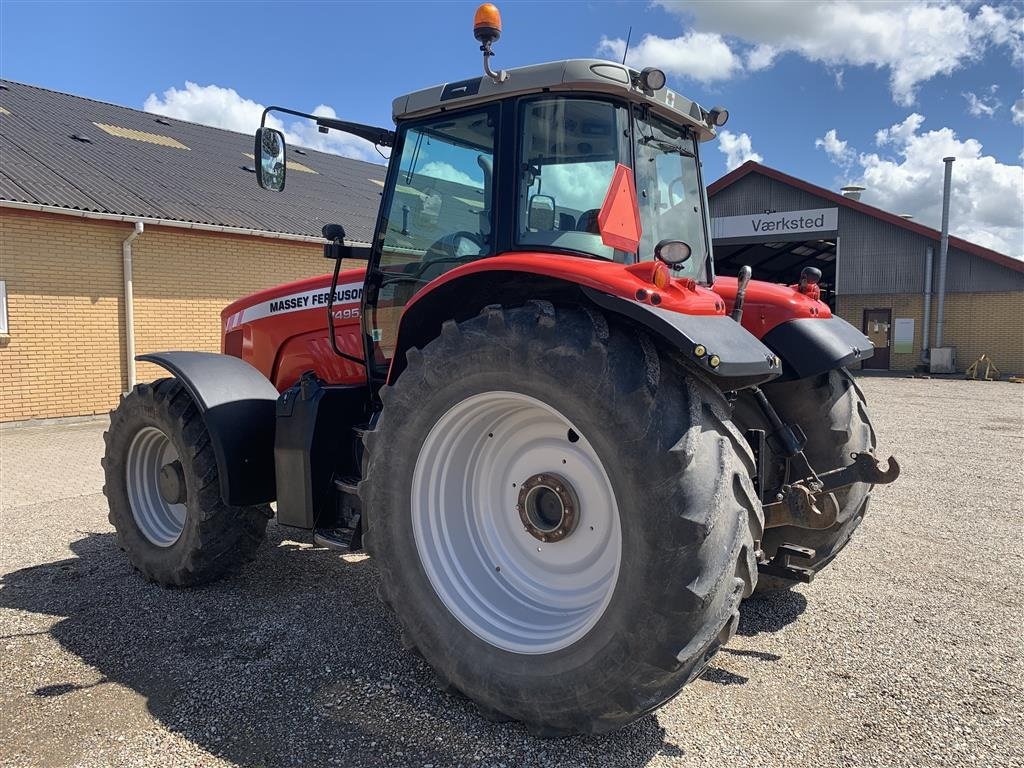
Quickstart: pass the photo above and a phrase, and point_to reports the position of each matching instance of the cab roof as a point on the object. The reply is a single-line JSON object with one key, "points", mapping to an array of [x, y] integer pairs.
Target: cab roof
{"points": [[588, 75]]}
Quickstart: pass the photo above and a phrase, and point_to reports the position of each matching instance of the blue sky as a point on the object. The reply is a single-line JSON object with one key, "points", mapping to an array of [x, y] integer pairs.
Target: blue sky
{"points": [[788, 72]]}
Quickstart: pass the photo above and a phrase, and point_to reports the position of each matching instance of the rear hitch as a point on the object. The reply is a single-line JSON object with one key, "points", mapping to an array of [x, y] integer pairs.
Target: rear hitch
{"points": [[810, 503]]}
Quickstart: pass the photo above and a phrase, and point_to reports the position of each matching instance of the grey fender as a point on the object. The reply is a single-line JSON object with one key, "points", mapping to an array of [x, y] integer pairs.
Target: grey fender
{"points": [[743, 360], [237, 403], [810, 346]]}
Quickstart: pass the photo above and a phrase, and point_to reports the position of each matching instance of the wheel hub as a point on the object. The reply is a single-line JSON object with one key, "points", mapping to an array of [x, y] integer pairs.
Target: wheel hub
{"points": [[171, 483], [548, 507]]}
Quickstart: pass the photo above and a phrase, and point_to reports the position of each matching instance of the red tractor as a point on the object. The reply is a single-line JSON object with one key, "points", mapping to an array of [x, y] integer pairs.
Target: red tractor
{"points": [[571, 450]]}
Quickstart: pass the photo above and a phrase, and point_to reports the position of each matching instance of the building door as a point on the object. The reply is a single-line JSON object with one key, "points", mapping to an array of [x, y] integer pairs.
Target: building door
{"points": [[877, 325]]}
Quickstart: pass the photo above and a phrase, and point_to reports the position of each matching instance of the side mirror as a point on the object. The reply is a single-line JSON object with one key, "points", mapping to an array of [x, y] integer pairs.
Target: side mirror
{"points": [[541, 213], [270, 159]]}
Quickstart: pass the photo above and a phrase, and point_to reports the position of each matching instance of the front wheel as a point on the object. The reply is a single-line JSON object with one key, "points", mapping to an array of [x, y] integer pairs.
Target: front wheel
{"points": [[833, 414], [163, 491], [562, 516]]}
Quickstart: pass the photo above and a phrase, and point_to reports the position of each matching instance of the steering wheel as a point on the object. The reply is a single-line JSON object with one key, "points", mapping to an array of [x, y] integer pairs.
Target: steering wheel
{"points": [[456, 245]]}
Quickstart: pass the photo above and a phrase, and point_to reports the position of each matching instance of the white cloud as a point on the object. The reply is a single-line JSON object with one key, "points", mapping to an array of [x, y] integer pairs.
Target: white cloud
{"points": [[761, 57], [579, 186], [737, 149], [982, 105], [1017, 112], [913, 41], [838, 150], [208, 105], [987, 203], [699, 56], [225, 108], [448, 172]]}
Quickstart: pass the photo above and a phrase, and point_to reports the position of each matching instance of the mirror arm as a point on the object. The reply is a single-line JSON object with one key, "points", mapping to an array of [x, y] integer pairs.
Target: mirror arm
{"points": [[380, 136]]}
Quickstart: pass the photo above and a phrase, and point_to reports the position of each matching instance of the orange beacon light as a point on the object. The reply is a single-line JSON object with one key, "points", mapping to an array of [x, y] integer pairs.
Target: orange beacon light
{"points": [[487, 23]]}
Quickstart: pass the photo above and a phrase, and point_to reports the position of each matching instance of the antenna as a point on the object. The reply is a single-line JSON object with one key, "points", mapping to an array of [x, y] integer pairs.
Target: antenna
{"points": [[626, 49]]}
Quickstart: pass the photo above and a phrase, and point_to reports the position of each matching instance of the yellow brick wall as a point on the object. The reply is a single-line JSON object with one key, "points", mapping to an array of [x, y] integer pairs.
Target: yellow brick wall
{"points": [[975, 324], [64, 355]]}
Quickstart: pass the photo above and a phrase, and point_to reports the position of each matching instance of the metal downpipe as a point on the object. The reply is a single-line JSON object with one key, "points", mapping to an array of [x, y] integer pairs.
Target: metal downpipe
{"points": [[926, 333], [129, 302]]}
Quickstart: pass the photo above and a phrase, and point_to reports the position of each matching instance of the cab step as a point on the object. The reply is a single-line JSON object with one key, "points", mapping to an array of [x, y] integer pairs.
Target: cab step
{"points": [[338, 539]]}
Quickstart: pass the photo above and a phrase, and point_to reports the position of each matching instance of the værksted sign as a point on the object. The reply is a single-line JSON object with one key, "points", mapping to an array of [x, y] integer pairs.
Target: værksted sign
{"points": [[782, 222]]}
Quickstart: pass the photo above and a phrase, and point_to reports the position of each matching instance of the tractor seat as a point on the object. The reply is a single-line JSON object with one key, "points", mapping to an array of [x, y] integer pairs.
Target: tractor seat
{"points": [[588, 222]]}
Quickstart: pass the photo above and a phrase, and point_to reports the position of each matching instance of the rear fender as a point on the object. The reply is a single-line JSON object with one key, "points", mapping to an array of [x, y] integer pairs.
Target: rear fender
{"points": [[463, 293], [237, 403]]}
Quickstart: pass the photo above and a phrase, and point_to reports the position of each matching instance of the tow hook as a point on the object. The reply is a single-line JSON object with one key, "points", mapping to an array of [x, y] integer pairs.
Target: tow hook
{"points": [[810, 503]]}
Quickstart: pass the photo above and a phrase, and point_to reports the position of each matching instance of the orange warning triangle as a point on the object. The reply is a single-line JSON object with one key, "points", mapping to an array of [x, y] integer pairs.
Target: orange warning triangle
{"points": [[619, 218]]}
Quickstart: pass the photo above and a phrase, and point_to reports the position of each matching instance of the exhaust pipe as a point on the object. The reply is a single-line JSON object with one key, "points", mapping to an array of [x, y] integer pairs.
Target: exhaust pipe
{"points": [[943, 249]]}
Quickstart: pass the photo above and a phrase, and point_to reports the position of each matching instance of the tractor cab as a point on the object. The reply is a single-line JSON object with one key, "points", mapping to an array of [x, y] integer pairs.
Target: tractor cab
{"points": [[579, 158]]}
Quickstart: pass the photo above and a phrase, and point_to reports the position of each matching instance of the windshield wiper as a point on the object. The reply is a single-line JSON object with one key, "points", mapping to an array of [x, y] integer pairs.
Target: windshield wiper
{"points": [[666, 146]]}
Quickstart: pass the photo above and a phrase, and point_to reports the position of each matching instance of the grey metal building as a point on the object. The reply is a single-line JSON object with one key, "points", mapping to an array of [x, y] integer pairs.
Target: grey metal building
{"points": [[875, 268]]}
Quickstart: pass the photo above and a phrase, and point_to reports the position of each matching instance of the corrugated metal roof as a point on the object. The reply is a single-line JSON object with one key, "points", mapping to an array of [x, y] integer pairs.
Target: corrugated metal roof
{"points": [[119, 173]]}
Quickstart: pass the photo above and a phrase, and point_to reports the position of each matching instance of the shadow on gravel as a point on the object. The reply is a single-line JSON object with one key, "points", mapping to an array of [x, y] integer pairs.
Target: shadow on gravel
{"points": [[291, 663], [762, 612], [769, 612]]}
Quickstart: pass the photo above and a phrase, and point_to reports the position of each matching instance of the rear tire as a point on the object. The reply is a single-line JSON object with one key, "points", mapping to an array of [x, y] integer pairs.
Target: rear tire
{"points": [[832, 412], [677, 477], [192, 542]]}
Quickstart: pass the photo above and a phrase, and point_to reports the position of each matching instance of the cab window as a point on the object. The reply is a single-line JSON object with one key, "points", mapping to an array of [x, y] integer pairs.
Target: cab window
{"points": [[669, 191], [569, 150]]}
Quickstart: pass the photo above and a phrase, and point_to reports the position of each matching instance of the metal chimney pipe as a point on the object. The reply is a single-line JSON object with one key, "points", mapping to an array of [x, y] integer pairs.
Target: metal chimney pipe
{"points": [[943, 249], [926, 333]]}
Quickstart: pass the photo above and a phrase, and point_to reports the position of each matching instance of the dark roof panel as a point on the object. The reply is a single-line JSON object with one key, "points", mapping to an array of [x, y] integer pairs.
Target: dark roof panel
{"points": [[204, 183]]}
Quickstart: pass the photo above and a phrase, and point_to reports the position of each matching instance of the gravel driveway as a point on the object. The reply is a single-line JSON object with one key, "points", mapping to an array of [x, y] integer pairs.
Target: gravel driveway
{"points": [[907, 651]]}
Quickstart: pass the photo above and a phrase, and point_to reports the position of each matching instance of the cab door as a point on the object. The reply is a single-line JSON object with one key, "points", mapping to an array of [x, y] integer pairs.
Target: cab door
{"points": [[877, 327], [437, 214]]}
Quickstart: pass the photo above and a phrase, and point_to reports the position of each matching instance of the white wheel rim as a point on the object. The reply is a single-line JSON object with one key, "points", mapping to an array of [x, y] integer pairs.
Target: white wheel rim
{"points": [[159, 521], [503, 584]]}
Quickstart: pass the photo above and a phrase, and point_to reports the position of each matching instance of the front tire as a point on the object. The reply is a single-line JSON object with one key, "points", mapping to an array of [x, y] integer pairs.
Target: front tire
{"points": [[163, 491], [619, 608], [832, 411]]}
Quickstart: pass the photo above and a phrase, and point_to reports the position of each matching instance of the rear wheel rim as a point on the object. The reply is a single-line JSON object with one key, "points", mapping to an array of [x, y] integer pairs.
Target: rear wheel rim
{"points": [[507, 587], [159, 521]]}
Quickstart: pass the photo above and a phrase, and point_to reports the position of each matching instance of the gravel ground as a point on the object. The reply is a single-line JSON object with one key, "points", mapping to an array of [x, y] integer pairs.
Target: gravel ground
{"points": [[907, 651]]}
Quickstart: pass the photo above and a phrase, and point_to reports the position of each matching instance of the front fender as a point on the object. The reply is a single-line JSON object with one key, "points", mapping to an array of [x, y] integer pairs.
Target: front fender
{"points": [[237, 403], [812, 346]]}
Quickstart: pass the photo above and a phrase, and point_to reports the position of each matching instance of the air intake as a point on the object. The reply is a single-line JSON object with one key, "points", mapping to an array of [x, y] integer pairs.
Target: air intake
{"points": [[852, 191]]}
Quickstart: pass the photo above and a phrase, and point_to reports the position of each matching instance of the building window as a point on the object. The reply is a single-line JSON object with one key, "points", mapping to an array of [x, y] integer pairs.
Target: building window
{"points": [[3, 308]]}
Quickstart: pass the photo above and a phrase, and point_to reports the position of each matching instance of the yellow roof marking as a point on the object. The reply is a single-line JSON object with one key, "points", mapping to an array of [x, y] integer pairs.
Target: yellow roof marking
{"points": [[149, 138], [292, 164]]}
